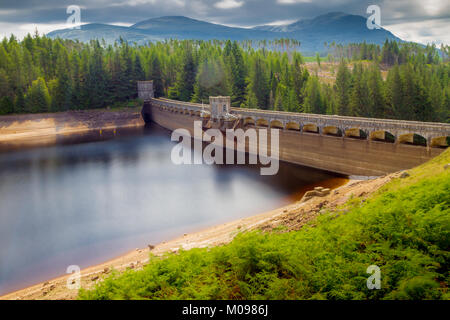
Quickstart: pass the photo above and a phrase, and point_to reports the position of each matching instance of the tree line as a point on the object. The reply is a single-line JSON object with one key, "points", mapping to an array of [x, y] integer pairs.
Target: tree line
{"points": [[390, 53], [39, 74]]}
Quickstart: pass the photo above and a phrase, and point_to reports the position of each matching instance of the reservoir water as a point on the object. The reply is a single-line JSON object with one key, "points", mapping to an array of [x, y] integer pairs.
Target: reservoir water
{"points": [[88, 198]]}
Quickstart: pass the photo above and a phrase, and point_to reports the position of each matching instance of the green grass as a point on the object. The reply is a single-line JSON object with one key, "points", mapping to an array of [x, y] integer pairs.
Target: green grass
{"points": [[314, 59], [404, 229]]}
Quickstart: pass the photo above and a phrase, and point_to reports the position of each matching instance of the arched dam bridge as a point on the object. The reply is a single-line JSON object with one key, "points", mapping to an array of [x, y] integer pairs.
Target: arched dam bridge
{"points": [[346, 145]]}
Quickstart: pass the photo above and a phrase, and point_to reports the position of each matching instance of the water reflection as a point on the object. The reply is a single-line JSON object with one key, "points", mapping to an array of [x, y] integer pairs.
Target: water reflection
{"points": [[90, 198]]}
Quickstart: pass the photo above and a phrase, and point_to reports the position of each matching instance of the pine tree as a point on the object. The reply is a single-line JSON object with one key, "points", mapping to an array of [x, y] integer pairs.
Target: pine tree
{"points": [[38, 98], [5, 89], [157, 77], [282, 101], [259, 84], [84, 93], [329, 99], [359, 102], [238, 75], [62, 98], [184, 86], [343, 82], [409, 87], [423, 110], [129, 83], [251, 101], [394, 94], [376, 93], [299, 79], [437, 99], [19, 103], [76, 80], [118, 81], [28, 69], [6, 105], [313, 97], [138, 72], [96, 82]]}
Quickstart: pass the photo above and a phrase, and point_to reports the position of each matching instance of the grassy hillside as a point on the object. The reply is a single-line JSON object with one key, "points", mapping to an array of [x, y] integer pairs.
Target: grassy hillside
{"points": [[404, 229]]}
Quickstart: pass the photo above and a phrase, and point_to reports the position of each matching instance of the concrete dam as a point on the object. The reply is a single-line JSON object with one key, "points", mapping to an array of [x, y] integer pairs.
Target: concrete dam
{"points": [[346, 145]]}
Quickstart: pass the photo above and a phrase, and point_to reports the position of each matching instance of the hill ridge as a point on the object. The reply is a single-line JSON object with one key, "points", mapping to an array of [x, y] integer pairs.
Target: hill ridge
{"points": [[312, 33]]}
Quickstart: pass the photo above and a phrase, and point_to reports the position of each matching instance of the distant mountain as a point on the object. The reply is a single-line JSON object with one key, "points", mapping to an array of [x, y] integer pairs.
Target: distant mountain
{"points": [[334, 26], [312, 33], [333, 19], [107, 32], [180, 27]]}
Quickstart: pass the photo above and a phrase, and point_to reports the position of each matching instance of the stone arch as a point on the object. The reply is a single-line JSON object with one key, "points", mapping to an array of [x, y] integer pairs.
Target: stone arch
{"points": [[249, 121], [291, 125], [261, 122], [311, 127], [332, 131], [440, 142], [382, 135], [413, 138], [276, 124], [355, 133]]}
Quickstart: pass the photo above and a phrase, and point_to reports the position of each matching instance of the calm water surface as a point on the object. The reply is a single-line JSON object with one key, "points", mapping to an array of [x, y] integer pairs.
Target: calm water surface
{"points": [[89, 199]]}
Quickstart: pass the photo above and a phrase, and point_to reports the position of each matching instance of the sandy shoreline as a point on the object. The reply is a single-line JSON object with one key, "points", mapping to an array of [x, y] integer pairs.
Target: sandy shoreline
{"points": [[292, 216]]}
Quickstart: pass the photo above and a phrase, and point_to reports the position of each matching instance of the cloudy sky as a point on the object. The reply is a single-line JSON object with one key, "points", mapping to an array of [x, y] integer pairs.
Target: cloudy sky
{"points": [[425, 21]]}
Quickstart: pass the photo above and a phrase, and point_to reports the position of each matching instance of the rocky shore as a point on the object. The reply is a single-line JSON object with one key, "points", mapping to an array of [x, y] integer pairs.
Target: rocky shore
{"points": [[41, 129]]}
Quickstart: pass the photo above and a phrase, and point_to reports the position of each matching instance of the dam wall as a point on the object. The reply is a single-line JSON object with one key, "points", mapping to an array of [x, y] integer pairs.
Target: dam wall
{"points": [[346, 145], [348, 153]]}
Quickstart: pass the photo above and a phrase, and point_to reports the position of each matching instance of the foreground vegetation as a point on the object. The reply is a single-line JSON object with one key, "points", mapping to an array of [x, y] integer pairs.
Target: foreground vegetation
{"points": [[39, 74], [404, 229]]}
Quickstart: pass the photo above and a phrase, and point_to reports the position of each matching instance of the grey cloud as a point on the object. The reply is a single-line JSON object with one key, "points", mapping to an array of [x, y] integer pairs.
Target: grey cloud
{"points": [[400, 11], [250, 13]]}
